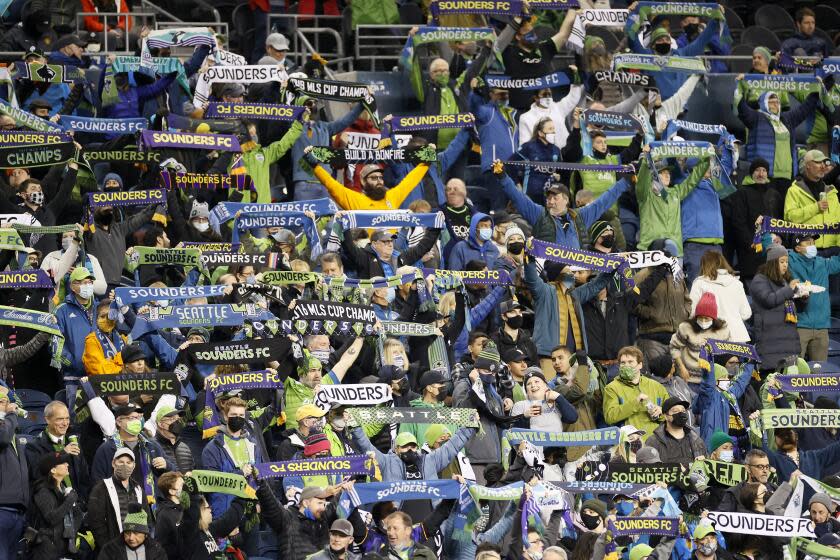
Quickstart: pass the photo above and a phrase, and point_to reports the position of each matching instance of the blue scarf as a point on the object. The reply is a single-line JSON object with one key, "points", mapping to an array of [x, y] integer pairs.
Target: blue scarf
{"points": [[104, 126], [392, 219], [208, 315], [254, 220]]}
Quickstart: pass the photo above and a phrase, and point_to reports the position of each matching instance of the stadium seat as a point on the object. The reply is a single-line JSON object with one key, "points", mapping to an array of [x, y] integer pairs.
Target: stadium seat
{"points": [[828, 18], [741, 66], [825, 37], [242, 30], [610, 40], [761, 36], [32, 399], [775, 18], [735, 23]]}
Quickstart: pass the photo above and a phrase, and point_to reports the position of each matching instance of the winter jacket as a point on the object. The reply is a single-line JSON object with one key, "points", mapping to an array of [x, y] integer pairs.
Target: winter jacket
{"points": [[117, 550], [15, 355], [75, 323], [178, 454], [416, 552], [103, 515], [40, 446], [484, 447], [700, 215], [326, 554], [258, 161], [732, 304], [470, 249], [167, 517], [775, 339], [14, 473], [686, 344], [668, 306], [318, 133], [622, 406], [660, 214], [50, 506], [557, 111], [801, 207], [672, 450], [109, 245], [297, 535], [430, 465], [713, 408], [817, 312], [195, 544], [524, 343], [533, 179], [367, 263], [571, 230], [761, 137], [94, 359], [801, 45], [586, 398], [102, 468], [749, 202], [496, 130], [670, 82], [811, 463], [98, 24]]}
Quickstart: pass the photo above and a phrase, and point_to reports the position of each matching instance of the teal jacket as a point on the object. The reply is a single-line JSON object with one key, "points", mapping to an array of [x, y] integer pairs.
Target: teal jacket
{"points": [[817, 313]]}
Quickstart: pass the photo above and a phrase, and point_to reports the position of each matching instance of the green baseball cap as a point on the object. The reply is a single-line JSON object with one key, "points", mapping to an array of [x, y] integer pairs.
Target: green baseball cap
{"points": [[405, 438]]}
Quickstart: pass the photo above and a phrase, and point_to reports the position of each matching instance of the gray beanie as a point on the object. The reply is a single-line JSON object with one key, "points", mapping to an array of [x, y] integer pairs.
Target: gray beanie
{"points": [[647, 455], [199, 210], [776, 252], [824, 499], [511, 231]]}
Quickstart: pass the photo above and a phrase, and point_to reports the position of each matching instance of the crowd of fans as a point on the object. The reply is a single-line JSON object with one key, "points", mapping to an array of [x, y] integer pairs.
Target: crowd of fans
{"points": [[552, 315]]}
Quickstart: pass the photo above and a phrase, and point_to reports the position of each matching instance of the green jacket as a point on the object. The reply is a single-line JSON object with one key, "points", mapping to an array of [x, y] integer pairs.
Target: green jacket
{"points": [[381, 12], [802, 208], [659, 215], [622, 406], [258, 161]]}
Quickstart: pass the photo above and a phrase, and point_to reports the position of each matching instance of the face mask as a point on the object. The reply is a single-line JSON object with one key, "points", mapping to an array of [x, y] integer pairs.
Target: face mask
{"points": [[724, 384], [339, 424], [608, 242], [535, 555], [66, 242], [590, 521], [515, 248], [544, 102], [236, 423], [707, 549], [322, 355], [811, 251], [201, 226], [105, 218], [624, 508], [134, 427], [502, 102], [550, 137], [514, 322], [308, 513], [568, 282], [391, 295], [441, 395], [599, 50], [821, 529], [403, 385], [487, 377], [86, 291], [626, 373], [409, 457], [106, 325], [662, 48], [727, 456], [442, 79], [176, 428], [399, 361], [733, 369], [680, 419], [692, 29], [636, 445], [704, 324], [530, 38], [485, 234], [123, 472], [36, 198]]}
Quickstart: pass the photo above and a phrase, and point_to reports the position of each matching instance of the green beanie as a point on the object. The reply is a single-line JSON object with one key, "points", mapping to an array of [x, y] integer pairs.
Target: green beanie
{"points": [[764, 52], [718, 439], [434, 432], [720, 372], [658, 33], [136, 519], [489, 359], [590, 42], [640, 551]]}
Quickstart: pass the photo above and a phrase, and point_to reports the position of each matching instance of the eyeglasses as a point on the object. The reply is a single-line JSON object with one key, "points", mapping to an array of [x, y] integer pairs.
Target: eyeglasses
{"points": [[761, 467]]}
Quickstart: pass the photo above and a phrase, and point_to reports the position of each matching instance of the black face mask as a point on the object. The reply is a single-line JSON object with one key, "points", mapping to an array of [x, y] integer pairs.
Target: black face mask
{"points": [[176, 428], [105, 218], [662, 48], [338, 551], [608, 242], [680, 419], [410, 457], [515, 248], [590, 521], [236, 423], [514, 322], [636, 445], [441, 395], [403, 385], [692, 30]]}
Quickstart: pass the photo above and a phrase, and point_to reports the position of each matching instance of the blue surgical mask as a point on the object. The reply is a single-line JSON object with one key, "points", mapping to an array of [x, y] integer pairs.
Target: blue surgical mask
{"points": [[530, 38], [391, 295], [485, 234], [727, 456], [811, 251], [624, 508]]}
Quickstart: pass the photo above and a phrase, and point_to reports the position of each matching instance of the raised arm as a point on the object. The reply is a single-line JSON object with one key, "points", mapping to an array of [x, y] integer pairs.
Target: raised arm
{"points": [[348, 358]]}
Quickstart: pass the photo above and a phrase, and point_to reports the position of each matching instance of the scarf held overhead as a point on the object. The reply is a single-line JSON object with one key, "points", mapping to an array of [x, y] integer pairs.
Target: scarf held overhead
{"points": [[238, 352], [347, 465], [594, 261]]}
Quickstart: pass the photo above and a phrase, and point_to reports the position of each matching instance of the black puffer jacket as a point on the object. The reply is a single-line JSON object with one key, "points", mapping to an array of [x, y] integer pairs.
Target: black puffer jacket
{"points": [[116, 550], [50, 506]]}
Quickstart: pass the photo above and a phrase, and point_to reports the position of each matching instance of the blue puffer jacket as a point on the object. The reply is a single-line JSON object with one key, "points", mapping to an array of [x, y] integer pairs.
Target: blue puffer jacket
{"points": [[216, 458], [497, 130], [75, 323], [817, 312], [714, 47], [700, 210], [319, 133], [670, 82], [713, 408], [132, 100], [469, 249], [437, 170], [761, 138], [807, 46], [535, 181]]}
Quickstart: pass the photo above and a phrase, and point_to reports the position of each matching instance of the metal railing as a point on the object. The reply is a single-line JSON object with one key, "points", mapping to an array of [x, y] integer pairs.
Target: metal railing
{"points": [[138, 19], [318, 26], [340, 61], [380, 43], [220, 27]]}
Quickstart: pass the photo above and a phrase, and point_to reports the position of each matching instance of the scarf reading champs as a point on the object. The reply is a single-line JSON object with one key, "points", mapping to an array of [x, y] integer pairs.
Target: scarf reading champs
{"points": [[334, 157], [461, 417], [202, 181], [206, 315], [656, 63], [127, 296], [238, 352], [347, 465], [585, 259], [135, 384], [632, 79], [260, 111], [714, 347], [316, 317], [32, 279], [553, 80], [103, 126], [392, 219], [36, 156], [775, 418], [189, 140], [336, 91], [775, 225], [432, 122], [223, 483]]}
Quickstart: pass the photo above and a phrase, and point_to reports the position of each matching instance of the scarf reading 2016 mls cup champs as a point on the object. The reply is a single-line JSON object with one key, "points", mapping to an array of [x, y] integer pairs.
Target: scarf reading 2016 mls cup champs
{"points": [[336, 91], [315, 317]]}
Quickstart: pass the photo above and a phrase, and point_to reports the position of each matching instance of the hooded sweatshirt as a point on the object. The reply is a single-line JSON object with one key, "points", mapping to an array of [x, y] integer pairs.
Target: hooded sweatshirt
{"points": [[732, 303], [470, 249]]}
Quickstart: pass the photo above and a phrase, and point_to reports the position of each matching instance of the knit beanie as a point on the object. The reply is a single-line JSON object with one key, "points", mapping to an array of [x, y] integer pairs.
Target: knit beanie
{"points": [[434, 432], [199, 210], [824, 499], [658, 33], [759, 162], [707, 306], [597, 230], [718, 438], [136, 520], [776, 252], [511, 231], [640, 551], [489, 359], [764, 52], [595, 505], [315, 443]]}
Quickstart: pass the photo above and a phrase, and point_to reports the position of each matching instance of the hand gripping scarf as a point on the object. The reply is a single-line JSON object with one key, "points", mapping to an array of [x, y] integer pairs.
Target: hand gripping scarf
{"points": [[336, 91], [586, 259], [714, 347]]}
